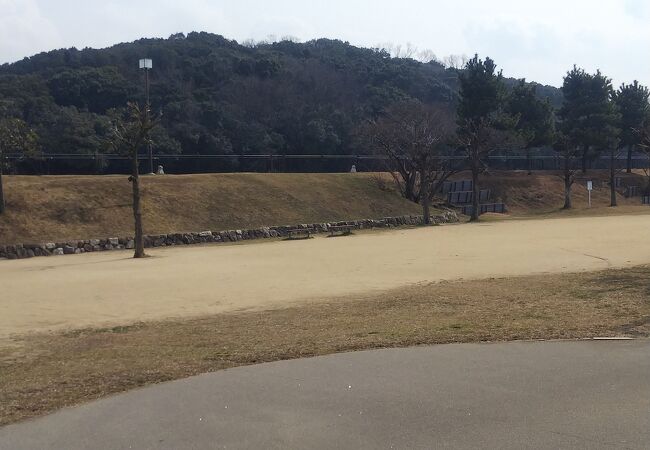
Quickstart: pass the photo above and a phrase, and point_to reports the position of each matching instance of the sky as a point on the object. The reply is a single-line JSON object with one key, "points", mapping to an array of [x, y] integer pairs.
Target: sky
{"points": [[537, 40]]}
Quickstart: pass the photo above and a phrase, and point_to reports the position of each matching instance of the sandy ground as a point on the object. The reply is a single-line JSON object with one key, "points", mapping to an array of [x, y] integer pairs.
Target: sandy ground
{"points": [[110, 288]]}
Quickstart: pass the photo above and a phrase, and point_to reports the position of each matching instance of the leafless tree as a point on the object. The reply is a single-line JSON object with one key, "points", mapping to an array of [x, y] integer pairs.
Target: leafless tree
{"points": [[407, 51], [131, 133], [455, 61], [418, 142]]}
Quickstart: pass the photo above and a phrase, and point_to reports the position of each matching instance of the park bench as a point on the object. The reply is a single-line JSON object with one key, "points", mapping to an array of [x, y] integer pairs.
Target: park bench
{"points": [[340, 230], [300, 233]]}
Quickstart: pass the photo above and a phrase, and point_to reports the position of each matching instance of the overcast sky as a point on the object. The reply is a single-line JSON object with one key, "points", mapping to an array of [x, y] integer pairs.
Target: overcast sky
{"points": [[539, 40]]}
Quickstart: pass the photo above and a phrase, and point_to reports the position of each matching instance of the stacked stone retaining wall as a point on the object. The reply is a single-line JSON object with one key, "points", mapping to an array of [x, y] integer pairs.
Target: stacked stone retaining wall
{"points": [[19, 251]]}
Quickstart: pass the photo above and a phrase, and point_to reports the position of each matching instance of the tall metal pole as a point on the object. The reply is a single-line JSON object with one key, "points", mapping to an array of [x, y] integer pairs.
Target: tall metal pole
{"points": [[146, 64], [150, 148]]}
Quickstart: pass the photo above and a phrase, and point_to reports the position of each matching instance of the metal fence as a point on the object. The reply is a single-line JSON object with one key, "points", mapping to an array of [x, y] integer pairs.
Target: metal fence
{"points": [[71, 164]]}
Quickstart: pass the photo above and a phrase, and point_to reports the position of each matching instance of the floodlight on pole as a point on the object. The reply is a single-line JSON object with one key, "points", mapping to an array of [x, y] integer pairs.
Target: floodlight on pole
{"points": [[147, 65]]}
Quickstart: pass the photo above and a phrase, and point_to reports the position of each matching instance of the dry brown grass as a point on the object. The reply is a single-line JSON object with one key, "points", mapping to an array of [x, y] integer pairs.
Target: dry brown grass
{"points": [[542, 193], [58, 208], [41, 373], [82, 207]]}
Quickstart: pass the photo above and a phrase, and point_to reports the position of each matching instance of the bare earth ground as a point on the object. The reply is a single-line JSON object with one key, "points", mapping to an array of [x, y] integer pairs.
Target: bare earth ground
{"points": [[44, 372], [107, 289]]}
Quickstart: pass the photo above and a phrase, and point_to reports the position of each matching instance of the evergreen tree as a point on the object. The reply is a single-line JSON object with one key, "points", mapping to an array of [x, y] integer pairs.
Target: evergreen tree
{"points": [[480, 117], [590, 120], [535, 122], [632, 102], [588, 115]]}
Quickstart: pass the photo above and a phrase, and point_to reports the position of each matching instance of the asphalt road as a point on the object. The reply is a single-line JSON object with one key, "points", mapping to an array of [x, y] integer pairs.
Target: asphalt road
{"points": [[589, 394]]}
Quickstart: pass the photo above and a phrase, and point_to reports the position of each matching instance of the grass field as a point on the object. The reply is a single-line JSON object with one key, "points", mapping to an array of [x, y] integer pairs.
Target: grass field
{"points": [[43, 372]]}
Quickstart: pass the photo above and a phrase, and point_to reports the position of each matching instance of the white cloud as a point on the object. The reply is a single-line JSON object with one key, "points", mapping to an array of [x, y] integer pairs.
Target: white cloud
{"points": [[536, 40], [24, 30]]}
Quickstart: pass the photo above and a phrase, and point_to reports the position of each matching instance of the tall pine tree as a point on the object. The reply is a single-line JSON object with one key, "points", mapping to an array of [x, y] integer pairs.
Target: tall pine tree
{"points": [[632, 102], [480, 117]]}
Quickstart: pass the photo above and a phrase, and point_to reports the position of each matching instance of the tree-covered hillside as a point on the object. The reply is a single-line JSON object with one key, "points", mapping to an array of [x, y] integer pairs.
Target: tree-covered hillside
{"points": [[219, 97]]}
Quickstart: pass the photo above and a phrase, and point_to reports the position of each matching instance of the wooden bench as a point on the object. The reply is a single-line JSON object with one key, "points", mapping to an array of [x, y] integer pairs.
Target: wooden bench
{"points": [[340, 230], [300, 233]]}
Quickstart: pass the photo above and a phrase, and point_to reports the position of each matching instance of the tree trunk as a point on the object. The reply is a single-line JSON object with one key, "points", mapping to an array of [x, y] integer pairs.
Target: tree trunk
{"points": [[630, 149], [567, 183], [612, 179], [475, 193], [567, 192], [137, 209], [2, 194], [425, 200], [529, 162], [409, 188]]}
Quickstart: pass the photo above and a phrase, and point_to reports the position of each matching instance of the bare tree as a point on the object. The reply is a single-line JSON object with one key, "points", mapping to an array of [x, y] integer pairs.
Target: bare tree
{"points": [[408, 51], [418, 142], [131, 134], [455, 61]]}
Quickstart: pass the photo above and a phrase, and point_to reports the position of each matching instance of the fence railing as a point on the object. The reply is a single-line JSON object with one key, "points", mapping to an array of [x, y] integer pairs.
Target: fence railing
{"points": [[60, 164]]}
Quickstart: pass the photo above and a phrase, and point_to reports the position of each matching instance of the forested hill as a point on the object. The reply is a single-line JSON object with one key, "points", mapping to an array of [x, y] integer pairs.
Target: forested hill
{"points": [[220, 97]]}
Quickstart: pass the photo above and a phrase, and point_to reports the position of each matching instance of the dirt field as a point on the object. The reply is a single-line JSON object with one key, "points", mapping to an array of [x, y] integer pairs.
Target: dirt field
{"points": [[108, 289]]}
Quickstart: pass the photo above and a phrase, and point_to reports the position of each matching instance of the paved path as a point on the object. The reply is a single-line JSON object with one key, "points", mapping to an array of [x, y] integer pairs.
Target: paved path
{"points": [[105, 289], [585, 394]]}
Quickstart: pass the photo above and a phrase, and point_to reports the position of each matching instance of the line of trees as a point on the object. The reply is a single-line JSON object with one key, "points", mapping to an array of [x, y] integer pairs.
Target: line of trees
{"points": [[425, 139], [594, 120]]}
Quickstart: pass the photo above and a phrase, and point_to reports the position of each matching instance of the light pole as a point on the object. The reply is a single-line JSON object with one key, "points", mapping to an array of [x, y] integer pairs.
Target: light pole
{"points": [[147, 65]]}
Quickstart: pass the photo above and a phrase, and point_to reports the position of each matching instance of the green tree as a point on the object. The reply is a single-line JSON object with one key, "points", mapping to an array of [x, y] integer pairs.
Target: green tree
{"points": [[131, 133], [588, 114], [15, 137], [632, 102], [535, 124], [480, 118]]}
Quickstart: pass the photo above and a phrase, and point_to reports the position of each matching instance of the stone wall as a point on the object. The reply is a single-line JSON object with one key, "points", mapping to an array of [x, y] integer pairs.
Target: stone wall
{"points": [[19, 251]]}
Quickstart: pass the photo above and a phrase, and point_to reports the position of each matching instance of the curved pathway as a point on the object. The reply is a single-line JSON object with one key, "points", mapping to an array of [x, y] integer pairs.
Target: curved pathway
{"points": [[587, 394]]}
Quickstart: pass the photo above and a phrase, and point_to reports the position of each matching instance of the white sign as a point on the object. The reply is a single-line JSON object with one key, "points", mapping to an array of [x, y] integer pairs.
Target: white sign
{"points": [[590, 185], [146, 64]]}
